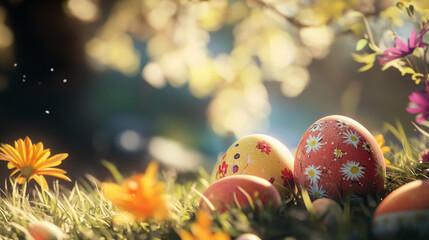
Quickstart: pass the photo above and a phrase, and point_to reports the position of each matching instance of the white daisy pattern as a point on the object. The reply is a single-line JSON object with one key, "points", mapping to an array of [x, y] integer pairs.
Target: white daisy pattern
{"points": [[313, 173], [314, 143], [366, 146], [379, 171], [338, 153], [352, 171], [341, 125], [317, 192], [317, 126], [351, 138]]}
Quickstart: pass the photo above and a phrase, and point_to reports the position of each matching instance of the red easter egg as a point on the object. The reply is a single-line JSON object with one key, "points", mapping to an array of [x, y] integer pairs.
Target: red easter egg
{"points": [[337, 155], [237, 190], [405, 208]]}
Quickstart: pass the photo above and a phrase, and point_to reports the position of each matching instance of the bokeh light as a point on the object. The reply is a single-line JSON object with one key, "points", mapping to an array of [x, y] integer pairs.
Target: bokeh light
{"points": [[142, 76]]}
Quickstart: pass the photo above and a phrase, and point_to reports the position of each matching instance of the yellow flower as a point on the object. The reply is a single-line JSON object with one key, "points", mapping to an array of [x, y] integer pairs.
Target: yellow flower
{"points": [[384, 149], [201, 230], [366, 58], [32, 161], [141, 195]]}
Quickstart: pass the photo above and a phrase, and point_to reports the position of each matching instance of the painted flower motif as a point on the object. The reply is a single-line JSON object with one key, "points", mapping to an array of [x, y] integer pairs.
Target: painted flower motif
{"points": [[44, 230], [338, 153], [264, 146], [317, 192], [222, 169], [313, 173], [341, 125], [402, 49], [351, 138], [317, 126], [419, 104], [352, 171], [367, 147], [32, 161], [287, 178], [141, 195], [313, 143], [201, 230], [379, 171]]}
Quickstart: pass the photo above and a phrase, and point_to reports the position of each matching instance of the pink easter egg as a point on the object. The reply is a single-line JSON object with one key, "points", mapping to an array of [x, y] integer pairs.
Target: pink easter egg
{"points": [[240, 190]]}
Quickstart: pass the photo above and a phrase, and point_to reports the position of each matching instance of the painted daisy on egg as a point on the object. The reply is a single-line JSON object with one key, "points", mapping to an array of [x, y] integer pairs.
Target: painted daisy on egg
{"points": [[317, 126], [317, 192], [366, 146], [352, 171], [351, 138], [314, 143], [341, 125], [313, 173], [379, 171], [338, 153]]}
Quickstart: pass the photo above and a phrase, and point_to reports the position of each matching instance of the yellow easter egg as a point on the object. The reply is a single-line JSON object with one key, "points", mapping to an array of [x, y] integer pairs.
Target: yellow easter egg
{"points": [[260, 155]]}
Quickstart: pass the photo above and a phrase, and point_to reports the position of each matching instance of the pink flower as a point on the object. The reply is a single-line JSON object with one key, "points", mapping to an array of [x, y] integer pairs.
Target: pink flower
{"points": [[425, 157], [402, 49], [419, 104]]}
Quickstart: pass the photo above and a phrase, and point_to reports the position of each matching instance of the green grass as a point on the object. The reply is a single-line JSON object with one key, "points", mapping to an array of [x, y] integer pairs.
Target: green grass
{"points": [[82, 213]]}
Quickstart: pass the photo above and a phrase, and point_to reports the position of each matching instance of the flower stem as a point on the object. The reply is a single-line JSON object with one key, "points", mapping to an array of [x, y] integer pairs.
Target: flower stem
{"points": [[370, 36], [24, 192], [425, 49]]}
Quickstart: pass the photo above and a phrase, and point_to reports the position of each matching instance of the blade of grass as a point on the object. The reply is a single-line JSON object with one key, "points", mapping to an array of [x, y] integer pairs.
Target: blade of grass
{"points": [[113, 170]]}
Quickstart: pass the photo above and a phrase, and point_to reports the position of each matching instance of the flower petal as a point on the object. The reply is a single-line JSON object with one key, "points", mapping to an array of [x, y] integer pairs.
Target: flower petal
{"points": [[28, 148], [54, 174], [415, 110], [401, 45], [52, 161], [41, 181], [412, 43], [12, 153], [51, 170], [420, 98], [14, 172]]}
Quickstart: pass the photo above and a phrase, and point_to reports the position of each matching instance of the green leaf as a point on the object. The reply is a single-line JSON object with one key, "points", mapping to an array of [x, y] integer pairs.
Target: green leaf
{"points": [[361, 44]]}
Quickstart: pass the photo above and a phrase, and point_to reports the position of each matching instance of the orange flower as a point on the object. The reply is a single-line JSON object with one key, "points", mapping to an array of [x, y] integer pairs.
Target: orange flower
{"points": [[384, 149], [141, 195], [201, 230], [32, 161]]}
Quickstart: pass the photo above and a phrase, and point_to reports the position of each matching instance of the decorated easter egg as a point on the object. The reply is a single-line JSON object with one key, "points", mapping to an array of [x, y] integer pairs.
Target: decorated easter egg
{"points": [[262, 156], [248, 236], [337, 156], [45, 231], [328, 212], [241, 190], [405, 210]]}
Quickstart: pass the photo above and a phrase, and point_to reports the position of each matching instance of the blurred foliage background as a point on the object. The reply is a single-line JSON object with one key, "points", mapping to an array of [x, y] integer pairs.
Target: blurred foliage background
{"points": [[181, 80]]}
